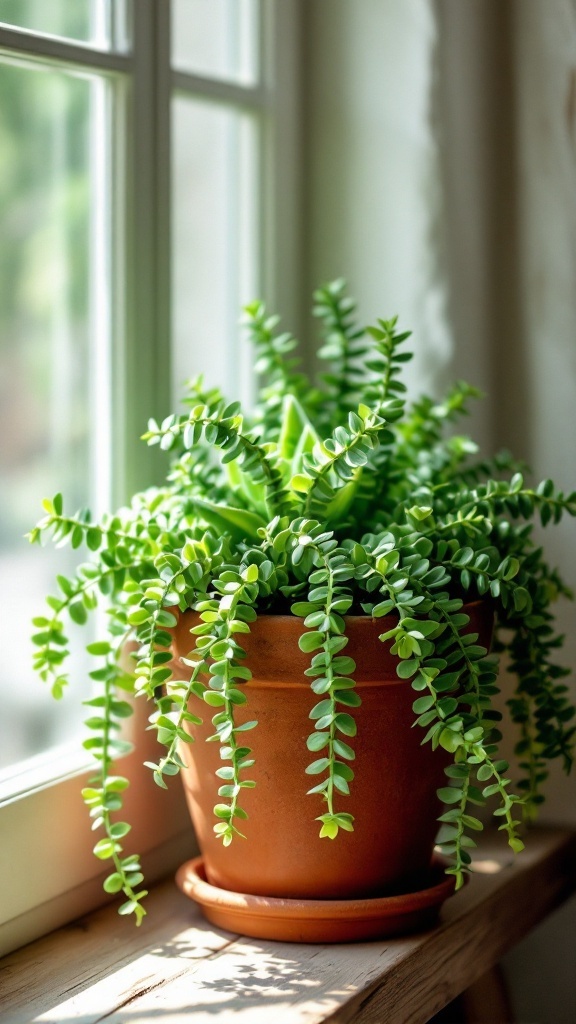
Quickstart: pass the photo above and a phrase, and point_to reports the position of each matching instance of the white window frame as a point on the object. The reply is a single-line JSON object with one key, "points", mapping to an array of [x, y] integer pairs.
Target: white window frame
{"points": [[49, 874]]}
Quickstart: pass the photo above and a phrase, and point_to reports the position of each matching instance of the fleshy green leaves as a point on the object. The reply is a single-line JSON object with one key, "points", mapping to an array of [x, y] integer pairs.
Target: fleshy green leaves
{"points": [[331, 671], [220, 426], [327, 500], [222, 619], [239, 523], [104, 795], [336, 463], [386, 363], [450, 669], [344, 347], [277, 364]]}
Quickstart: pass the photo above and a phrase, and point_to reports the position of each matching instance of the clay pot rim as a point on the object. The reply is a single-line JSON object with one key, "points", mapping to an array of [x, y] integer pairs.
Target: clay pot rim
{"points": [[361, 629], [355, 619], [191, 879]]}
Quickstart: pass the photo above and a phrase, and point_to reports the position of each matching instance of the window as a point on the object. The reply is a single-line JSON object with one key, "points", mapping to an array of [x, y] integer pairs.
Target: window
{"points": [[146, 155]]}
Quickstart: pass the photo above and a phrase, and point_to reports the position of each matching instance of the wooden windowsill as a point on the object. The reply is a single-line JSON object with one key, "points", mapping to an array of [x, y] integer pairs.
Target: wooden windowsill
{"points": [[177, 968]]}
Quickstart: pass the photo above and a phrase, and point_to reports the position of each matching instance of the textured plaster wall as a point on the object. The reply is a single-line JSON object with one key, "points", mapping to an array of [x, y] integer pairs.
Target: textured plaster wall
{"points": [[540, 416], [373, 207], [440, 169], [545, 421]]}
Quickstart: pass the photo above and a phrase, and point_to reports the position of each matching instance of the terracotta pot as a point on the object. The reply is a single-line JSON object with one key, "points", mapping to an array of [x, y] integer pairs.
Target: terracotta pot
{"points": [[393, 795]]}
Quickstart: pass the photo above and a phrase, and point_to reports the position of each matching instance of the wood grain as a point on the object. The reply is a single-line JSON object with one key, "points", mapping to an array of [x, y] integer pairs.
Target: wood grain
{"points": [[177, 968]]}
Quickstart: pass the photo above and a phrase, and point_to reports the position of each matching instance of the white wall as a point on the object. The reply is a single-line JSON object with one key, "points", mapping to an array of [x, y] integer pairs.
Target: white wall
{"points": [[545, 94], [373, 204], [441, 181]]}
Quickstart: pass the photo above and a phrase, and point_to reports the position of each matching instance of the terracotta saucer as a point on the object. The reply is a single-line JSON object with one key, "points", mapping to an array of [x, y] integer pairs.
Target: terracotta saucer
{"points": [[264, 917]]}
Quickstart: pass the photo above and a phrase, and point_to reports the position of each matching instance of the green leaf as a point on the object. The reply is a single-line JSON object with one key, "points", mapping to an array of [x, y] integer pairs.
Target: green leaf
{"points": [[138, 616], [311, 641], [329, 829], [420, 512], [474, 823], [105, 848], [419, 626], [77, 611], [119, 829], [254, 493], [100, 647], [245, 726], [343, 750], [516, 844], [317, 740], [423, 704], [383, 608], [342, 501], [214, 699], [449, 740], [318, 766], [223, 811], [237, 523], [345, 724], [302, 608], [449, 795], [250, 573], [341, 784], [113, 883], [447, 705], [489, 791], [464, 557], [350, 698], [343, 665], [295, 425], [300, 483], [132, 906], [521, 599], [116, 784], [406, 669], [321, 709]]}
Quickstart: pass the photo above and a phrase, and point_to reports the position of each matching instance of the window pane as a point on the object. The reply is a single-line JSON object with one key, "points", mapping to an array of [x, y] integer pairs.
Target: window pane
{"points": [[214, 239], [97, 22], [217, 38], [53, 155]]}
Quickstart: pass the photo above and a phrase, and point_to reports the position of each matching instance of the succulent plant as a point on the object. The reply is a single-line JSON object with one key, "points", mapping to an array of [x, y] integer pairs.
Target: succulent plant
{"points": [[328, 499]]}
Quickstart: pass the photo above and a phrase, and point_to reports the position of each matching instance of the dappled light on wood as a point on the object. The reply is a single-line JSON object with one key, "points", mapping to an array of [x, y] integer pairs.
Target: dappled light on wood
{"points": [[177, 969]]}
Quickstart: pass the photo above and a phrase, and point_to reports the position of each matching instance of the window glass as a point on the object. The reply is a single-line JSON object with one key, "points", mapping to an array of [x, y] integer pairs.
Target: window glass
{"points": [[53, 338], [213, 232], [87, 21], [217, 38]]}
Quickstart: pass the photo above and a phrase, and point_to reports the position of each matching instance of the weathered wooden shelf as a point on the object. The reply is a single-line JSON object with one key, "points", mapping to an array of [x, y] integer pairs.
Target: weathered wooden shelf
{"points": [[176, 968]]}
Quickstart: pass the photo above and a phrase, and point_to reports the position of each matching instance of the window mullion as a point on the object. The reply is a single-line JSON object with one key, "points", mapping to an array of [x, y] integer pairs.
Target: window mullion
{"points": [[61, 51], [242, 96], [143, 359]]}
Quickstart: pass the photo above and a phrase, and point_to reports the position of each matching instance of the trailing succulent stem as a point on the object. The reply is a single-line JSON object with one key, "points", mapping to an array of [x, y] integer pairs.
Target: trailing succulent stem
{"points": [[277, 365], [223, 619], [453, 673], [344, 347], [103, 795], [327, 602], [325, 501]]}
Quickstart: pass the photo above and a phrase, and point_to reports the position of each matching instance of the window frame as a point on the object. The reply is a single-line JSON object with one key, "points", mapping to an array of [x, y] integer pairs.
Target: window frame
{"points": [[67, 880]]}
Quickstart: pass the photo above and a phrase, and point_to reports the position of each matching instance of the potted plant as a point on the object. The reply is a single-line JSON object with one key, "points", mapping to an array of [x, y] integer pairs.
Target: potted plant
{"points": [[348, 546]]}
